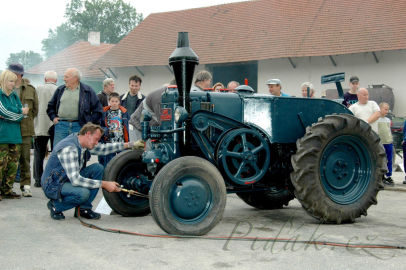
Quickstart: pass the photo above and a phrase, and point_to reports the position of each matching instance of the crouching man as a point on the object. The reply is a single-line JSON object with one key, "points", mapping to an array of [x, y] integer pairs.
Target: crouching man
{"points": [[68, 182]]}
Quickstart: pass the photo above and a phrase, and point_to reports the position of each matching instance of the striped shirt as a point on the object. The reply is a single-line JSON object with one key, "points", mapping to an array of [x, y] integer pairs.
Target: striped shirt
{"points": [[69, 158]]}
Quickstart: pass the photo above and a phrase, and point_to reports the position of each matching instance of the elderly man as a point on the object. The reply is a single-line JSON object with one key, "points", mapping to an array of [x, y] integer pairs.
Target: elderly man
{"points": [[28, 97], [367, 110], [232, 85], [304, 87], [202, 81], [68, 182], [42, 124], [108, 88], [274, 86], [73, 105]]}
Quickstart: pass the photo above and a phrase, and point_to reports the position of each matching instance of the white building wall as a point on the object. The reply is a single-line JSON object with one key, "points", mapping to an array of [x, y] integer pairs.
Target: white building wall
{"points": [[390, 71], [154, 77]]}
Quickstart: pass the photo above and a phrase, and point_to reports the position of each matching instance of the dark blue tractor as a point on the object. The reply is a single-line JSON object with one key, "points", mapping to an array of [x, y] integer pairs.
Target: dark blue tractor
{"points": [[266, 149]]}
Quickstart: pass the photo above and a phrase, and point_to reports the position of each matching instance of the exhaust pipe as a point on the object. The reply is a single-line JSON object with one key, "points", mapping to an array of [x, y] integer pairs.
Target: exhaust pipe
{"points": [[183, 61]]}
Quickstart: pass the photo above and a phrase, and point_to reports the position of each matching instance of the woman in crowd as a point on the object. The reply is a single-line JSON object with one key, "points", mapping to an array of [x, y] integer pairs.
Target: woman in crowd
{"points": [[11, 114]]}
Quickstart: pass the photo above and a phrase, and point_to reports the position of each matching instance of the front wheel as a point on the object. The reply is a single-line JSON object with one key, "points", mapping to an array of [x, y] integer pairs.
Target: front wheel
{"points": [[338, 168], [188, 196]]}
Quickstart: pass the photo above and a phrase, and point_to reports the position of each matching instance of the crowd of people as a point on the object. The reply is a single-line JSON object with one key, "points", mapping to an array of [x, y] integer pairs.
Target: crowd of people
{"points": [[70, 120]]}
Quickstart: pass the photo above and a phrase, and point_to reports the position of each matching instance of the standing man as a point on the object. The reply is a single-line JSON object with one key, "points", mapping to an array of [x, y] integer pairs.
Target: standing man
{"points": [[202, 81], [43, 124], [28, 97], [68, 182], [365, 109], [108, 88], [73, 105], [351, 96], [132, 99], [275, 88]]}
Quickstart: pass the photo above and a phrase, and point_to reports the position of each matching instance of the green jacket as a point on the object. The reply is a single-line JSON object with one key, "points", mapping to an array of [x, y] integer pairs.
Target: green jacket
{"points": [[10, 118], [29, 96]]}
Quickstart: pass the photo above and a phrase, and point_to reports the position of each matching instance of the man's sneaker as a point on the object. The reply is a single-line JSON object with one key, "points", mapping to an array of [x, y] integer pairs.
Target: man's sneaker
{"points": [[54, 214], [37, 184], [86, 213], [26, 191], [11, 195]]}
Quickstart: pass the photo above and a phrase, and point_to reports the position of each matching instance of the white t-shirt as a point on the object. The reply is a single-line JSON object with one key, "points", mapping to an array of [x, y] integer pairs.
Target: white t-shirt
{"points": [[364, 111]]}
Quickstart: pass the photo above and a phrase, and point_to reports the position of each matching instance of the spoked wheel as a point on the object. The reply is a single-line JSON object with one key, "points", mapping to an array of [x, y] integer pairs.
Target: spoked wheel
{"points": [[338, 168], [244, 156], [188, 196], [127, 169]]}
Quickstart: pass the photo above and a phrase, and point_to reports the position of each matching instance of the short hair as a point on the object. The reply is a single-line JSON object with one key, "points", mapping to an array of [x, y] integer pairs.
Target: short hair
{"points": [[310, 85], [135, 78], [233, 82], [383, 104], [5, 76], [50, 74], [75, 72], [218, 84], [114, 95], [90, 127], [107, 81], [202, 76]]}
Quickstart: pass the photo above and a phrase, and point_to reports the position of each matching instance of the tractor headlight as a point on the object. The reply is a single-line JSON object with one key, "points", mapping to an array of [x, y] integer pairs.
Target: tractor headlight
{"points": [[180, 114]]}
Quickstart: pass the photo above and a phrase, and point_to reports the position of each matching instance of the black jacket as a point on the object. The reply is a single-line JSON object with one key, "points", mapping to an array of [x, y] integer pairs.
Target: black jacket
{"points": [[90, 108]]}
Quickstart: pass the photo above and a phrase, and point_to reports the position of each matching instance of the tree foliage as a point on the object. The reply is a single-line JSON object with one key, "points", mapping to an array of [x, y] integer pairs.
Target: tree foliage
{"points": [[112, 18], [27, 59]]}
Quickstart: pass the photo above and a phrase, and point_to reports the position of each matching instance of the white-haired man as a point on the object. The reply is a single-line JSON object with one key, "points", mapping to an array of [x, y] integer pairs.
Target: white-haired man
{"points": [[42, 124], [73, 105], [108, 88]]}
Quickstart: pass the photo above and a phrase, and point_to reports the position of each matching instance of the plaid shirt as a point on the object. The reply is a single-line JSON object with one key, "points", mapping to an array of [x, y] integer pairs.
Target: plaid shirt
{"points": [[69, 158]]}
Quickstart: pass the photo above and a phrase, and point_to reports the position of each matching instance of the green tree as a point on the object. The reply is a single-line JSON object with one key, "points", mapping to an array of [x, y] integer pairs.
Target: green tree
{"points": [[27, 59], [114, 19]]}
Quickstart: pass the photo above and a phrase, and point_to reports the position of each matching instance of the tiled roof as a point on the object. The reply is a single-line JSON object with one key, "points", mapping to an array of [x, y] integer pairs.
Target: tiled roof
{"points": [[79, 55], [265, 29]]}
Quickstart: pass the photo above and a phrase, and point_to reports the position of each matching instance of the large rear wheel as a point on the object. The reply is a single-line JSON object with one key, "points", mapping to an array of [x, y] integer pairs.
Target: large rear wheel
{"points": [[188, 196], [338, 168]]}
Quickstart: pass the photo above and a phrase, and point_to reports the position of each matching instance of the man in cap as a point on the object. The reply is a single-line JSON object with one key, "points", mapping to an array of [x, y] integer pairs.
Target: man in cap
{"points": [[29, 98], [351, 96], [274, 86]]}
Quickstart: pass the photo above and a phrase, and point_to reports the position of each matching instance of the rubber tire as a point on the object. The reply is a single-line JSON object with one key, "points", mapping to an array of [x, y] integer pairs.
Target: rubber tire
{"points": [[306, 175], [161, 189], [111, 172], [267, 200]]}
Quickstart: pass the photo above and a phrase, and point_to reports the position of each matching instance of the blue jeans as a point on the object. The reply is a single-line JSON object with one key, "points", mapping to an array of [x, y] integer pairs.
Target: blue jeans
{"points": [[63, 129], [73, 196], [389, 154]]}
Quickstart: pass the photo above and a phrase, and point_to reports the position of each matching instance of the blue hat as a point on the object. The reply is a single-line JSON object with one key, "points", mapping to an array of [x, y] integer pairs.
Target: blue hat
{"points": [[273, 81], [16, 68]]}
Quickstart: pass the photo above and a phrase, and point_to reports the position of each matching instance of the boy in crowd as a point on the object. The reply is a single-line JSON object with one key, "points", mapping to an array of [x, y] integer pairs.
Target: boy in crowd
{"points": [[115, 124], [386, 139]]}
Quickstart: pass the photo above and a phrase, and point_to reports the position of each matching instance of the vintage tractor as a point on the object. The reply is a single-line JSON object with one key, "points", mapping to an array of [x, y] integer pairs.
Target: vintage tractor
{"points": [[266, 149]]}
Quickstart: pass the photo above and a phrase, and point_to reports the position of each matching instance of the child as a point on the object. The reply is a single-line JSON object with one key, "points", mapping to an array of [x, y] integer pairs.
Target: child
{"points": [[386, 139], [115, 124]]}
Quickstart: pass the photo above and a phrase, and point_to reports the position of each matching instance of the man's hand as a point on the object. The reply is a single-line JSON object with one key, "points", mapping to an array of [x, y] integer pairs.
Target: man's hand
{"points": [[56, 120], [111, 186]]}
